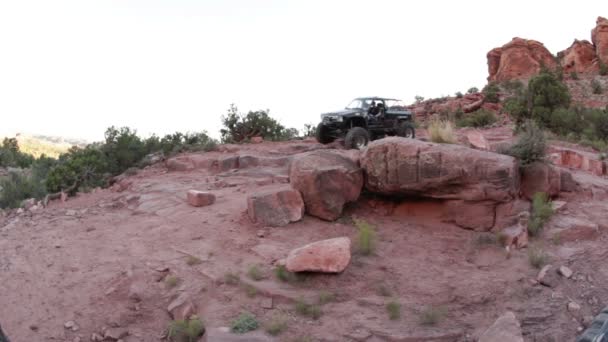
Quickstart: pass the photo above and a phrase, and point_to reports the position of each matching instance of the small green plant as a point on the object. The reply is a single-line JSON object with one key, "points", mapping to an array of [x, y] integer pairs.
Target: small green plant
{"points": [[537, 257], [458, 95], [192, 260], [596, 87], [309, 310], [187, 330], [442, 132], [432, 315], [232, 278], [473, 90], [383, 290], [393, 308], [479, 118], [171, 281], [542, 209], [366, 237], [326, 297], [284, 275], [255, 273], [250, 291], [574, 75], [603, 69], [275, 326], [245, 322]]}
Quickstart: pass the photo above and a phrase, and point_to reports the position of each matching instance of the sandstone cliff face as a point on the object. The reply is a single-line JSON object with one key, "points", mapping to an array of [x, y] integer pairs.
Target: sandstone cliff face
{"points": [[579, 57], [522, 58], [518, 59], [599, 37]]}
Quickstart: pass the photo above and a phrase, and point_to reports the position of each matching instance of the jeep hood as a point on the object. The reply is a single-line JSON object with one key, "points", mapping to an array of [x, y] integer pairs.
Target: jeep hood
{"points": [[343, 112]]}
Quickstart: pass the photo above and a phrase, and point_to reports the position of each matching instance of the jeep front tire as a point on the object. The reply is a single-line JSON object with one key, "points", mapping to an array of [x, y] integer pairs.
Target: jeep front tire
{"points": [[356, 138], [406, 130], [323, 134]]}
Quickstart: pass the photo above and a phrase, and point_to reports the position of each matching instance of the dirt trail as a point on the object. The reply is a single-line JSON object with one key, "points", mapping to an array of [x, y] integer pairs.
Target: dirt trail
{"points": [[87, 259]]}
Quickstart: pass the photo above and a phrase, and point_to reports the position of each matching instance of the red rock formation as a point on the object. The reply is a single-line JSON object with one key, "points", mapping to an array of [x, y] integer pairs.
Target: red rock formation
{"points": [[579, 57], [518, 59], [599, 37]]}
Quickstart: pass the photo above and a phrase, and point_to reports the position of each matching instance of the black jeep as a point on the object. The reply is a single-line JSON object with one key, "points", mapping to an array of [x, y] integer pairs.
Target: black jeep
{"points": [[365, 119]]}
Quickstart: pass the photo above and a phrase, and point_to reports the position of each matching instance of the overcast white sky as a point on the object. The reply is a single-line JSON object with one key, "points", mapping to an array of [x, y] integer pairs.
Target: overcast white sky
{"points": [[73, 68]]}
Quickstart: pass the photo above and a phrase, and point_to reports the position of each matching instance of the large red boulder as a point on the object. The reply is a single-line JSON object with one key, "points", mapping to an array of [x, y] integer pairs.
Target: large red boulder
{"points": [[328, 256], [200, 198], [599, 37], [327, 181], [518, 59], [540, 177], [399, 166], [579, 57], [277, 207]]}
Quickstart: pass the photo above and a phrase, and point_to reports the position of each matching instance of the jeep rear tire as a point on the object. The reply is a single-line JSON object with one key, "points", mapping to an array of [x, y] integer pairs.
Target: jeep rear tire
{"points": [[406, 130], [356, 138], [323, 134]]}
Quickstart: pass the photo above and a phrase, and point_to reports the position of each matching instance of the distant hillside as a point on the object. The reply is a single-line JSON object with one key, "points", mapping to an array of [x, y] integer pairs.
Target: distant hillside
{"points": [[37, 145]]}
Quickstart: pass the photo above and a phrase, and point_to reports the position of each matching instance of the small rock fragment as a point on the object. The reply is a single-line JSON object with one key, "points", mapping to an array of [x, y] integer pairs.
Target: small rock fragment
{"points": [[547, 278], [505, 329], [574, 307], [115, 334], [69, 324], [565, 271], [95, 337], [200, 198]]}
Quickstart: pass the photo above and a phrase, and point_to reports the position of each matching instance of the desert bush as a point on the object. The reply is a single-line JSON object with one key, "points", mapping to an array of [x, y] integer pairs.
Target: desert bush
{"points": [[432, 315], [326, 297], [442, 132], [187, 330], [231, 278], [479, 118], [545, 94], [537, 257], [366, 237], [574, 75], [310, 310], [310, 130], [255, 273], [418, 99], [603, 69], [284, 275], [541, 212], [596, 87], [11, 155], [512, 86], [393, 308], [240, 128], [491, 93], [18, 186], [275, 326], [473, 90], [458, 95], [87, 167], [245, 322], [171, 281], [530, 145]]}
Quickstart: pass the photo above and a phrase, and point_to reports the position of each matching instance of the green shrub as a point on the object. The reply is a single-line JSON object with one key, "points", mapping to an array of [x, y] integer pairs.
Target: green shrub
{"points": [[11, 155], [88, 167], [240, 128], [309, 130], [537, 257], [366, 237], [185, 330], [530, 145], [418, 99], [171, 281], [473, 90], [442, 132], [545, 94], [310, 310], [542, 210], [245, 322], [231, 278], [393, 309], [326, 297], [458, 95], [284, 275], [255, 273], [479, 118], [490, 92], [574, 75], [603, 69], [596, 87], [18, 186], [276, 326]]}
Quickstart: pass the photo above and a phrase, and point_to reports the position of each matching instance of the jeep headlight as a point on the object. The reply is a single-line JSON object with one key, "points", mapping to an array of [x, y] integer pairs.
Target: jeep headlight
{"points": [[332, 118]]}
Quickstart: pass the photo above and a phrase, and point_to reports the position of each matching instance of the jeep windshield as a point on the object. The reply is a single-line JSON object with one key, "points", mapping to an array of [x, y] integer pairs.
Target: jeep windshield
{"points": [[395, 104], [361, 103]]}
